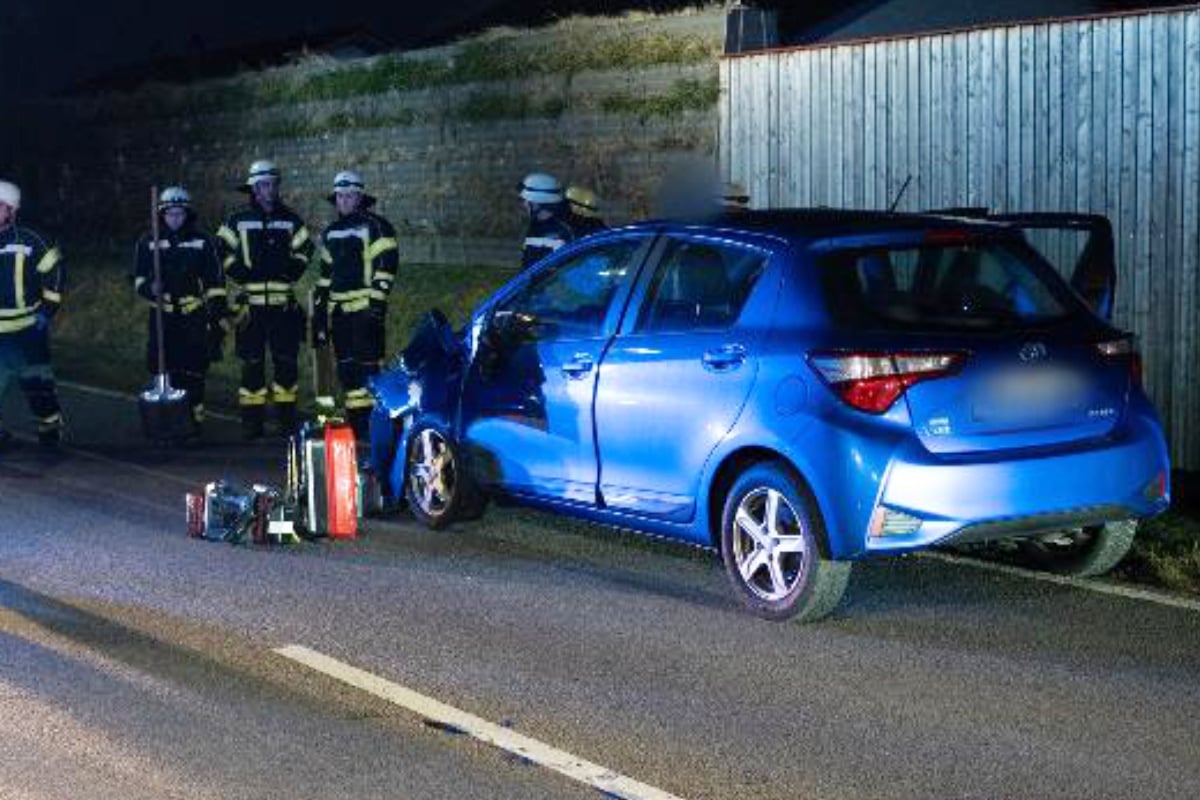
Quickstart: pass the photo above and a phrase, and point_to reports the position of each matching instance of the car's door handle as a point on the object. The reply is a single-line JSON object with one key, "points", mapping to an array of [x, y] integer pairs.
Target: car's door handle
{"points": [[579, 365], [725, 358]]}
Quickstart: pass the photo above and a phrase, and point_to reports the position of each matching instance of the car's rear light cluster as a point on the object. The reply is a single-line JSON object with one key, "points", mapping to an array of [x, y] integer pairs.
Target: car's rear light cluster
{"points": [[1123, 351], [873, 381]]}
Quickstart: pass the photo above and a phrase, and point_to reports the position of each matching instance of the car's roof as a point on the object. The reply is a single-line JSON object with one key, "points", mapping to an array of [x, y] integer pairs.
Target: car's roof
{"points": [[823, 223]]}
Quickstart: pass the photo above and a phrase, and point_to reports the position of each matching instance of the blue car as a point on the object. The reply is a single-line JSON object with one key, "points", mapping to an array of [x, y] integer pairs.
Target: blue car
{"points": [[797, 390]]}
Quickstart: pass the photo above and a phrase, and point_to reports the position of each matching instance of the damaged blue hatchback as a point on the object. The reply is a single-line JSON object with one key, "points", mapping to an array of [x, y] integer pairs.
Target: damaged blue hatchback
{"points": [[797, 390]]}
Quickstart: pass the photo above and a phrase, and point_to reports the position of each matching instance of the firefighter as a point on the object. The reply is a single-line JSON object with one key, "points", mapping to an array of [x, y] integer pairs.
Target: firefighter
{"points": [[359, 257], [546, 207], [584, 208], [266, 249], [192, 289], [31, 291]]}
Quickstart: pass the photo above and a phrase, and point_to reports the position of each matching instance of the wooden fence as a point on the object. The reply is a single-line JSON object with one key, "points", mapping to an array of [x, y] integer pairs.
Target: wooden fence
{"points": [[1098, 114]]}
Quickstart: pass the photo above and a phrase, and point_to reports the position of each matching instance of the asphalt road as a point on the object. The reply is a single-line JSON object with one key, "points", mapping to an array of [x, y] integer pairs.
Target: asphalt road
{"points": [[135, 662]]}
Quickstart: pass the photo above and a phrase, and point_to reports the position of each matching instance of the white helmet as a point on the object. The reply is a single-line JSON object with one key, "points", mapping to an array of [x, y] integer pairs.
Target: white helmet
{"points": [[260, 171], [348, 181], [10, 195], [540, 188], [174, 197]]}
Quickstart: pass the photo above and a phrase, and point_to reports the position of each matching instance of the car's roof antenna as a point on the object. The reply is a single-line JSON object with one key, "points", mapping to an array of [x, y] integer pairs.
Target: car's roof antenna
{"points": [[900, 194]]}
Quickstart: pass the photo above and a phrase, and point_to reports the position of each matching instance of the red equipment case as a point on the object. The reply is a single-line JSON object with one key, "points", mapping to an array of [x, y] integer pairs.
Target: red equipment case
{"points": [[328, 466]]}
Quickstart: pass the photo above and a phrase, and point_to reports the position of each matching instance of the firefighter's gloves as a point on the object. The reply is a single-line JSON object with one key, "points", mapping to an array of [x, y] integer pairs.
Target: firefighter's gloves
{"points": [[41, 321]]}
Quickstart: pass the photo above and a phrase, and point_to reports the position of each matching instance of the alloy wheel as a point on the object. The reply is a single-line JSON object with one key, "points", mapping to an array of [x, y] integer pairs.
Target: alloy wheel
{"points": [[768, 544], [431, 471]]}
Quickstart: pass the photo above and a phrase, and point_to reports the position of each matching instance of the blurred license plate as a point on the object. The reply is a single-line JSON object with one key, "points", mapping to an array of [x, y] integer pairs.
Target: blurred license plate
{"points": [[1029, 394]]}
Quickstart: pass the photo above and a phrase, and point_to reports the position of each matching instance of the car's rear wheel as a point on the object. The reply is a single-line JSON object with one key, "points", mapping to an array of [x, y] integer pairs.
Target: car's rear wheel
{"points": [[1081, 552], [773, 546], [437, 485]]}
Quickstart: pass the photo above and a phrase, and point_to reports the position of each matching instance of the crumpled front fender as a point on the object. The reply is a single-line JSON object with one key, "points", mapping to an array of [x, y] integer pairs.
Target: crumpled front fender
{"points": [[424, 382]]}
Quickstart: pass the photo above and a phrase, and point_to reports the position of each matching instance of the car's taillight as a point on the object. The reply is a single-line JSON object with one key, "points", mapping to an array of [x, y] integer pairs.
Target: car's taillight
{"points": [[873, 381], [1123, 351]]}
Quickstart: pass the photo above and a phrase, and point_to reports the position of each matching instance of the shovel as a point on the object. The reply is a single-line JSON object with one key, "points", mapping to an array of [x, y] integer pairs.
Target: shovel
{"points": [[166, 412]]}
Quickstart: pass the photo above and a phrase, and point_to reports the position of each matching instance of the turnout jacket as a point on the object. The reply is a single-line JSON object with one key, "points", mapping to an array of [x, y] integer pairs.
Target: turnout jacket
{"points": [[359, 257], [265, 254], [191, 271], [31, 278], [543, 237]]}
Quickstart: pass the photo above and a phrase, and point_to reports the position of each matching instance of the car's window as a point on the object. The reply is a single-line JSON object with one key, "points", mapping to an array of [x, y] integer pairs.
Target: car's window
{"points": [[990, 285], [571, 300], [699, 286]]}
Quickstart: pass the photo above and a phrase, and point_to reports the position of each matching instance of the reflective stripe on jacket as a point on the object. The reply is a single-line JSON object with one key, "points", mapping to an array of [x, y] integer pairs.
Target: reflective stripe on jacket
{"points": [[32, 278]]}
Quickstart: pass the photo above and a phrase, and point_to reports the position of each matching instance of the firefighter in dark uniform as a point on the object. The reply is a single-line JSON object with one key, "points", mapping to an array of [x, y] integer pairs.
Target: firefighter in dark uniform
{"points": [[359, 257], [584, 208], [31, 291], [192, 289], [546, 207], [267, 248]]}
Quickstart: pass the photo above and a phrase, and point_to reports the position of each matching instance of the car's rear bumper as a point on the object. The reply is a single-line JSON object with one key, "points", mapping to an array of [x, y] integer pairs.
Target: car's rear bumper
{"points": [[926, 500]]}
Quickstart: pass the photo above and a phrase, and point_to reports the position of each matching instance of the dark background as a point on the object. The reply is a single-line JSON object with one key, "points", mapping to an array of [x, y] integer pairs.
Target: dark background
{"points": [[50, 46]]}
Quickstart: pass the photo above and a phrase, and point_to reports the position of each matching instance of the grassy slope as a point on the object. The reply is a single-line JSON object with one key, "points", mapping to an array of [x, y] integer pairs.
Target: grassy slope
{"points": [[101, 336]]}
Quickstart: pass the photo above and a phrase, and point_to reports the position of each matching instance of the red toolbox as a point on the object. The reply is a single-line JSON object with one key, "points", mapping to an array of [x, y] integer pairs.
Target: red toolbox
{"points": [[328, 465]]}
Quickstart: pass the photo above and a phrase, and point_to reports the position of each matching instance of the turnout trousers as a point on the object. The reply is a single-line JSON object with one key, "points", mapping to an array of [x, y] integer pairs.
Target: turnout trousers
{"points": [[25, 358], [358, 341], [185, 345], [277, 330]]}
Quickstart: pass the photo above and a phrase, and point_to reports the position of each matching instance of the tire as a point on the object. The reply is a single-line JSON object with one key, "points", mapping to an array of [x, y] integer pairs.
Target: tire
{"points": [[1082, 552], [779, 571], [437, 486]]}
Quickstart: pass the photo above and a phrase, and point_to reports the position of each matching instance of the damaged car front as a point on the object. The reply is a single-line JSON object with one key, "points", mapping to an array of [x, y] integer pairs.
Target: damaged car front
{"points": [[423, 382]]}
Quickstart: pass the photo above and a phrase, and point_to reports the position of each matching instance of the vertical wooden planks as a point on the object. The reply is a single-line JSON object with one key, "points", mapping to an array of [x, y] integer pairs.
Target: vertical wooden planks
{"points": [[838, 97], [1188, 375], [870, 128], [1157, 165], [1101, 114], [960, 83], [1144, 204], [912, 112]]}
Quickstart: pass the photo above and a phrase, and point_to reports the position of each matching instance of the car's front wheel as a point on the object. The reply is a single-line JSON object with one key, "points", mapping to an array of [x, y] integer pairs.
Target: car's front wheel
{"points": [[1081, 552], [437, 485], [772, 543]]}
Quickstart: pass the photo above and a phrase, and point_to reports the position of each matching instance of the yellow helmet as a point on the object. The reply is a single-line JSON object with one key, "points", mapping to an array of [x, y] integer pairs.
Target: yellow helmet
{"points": [[583, 201]]}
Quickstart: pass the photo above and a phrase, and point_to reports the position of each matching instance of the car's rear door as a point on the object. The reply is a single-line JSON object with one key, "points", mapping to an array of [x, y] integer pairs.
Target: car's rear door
{"points": [[677, 376]]}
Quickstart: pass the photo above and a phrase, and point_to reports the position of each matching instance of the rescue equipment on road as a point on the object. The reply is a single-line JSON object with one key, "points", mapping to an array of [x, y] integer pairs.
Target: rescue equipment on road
{"points": [[325, 478]]}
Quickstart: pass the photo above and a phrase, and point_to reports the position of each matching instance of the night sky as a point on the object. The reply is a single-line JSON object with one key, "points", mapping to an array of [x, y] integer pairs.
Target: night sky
{"points": [[52, 45]]}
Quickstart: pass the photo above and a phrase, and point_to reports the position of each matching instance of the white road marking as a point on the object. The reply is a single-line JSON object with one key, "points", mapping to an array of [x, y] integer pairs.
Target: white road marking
{"points": [[132, 398], [1127, 592], [559, 761]]}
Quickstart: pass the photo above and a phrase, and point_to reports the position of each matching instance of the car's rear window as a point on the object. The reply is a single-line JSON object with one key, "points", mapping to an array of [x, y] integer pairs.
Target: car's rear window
{"points": [[987, 284]]}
